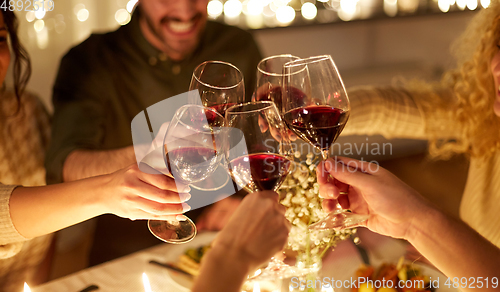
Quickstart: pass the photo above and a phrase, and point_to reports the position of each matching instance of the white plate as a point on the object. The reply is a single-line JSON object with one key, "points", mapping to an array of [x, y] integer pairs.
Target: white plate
{"points": [[183, 282]]}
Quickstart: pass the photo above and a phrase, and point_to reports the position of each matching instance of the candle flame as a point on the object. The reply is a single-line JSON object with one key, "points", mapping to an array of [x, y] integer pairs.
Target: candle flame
{"points": [[145, 281], [26, 287], [256, 287]]}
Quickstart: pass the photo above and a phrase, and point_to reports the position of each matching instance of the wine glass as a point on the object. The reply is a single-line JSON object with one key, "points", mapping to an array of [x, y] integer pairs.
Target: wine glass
{"points": [[193, 147], [270, 77], [316, 108], [259, 158], [220, 86], [259, 155]]}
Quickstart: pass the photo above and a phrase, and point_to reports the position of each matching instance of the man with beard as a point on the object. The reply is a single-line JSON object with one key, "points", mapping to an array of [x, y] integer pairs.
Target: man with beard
{"points": [[104, 82]]}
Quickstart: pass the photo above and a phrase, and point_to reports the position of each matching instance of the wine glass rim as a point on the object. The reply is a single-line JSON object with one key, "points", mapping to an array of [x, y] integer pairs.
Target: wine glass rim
{"points": [[216, 86], [309, 60], [275, 57], [267, 104], [177, 113]]}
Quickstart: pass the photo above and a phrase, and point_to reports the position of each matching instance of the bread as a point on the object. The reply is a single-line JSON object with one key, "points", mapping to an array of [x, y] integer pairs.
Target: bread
{"points": [[191, 259]]}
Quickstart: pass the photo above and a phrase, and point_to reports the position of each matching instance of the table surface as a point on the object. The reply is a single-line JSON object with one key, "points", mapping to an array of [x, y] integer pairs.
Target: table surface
{"points": [[125, 274]]}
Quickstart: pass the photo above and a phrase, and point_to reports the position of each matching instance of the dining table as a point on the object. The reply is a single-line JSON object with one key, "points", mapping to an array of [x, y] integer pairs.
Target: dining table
{"points": [[126, 273]]}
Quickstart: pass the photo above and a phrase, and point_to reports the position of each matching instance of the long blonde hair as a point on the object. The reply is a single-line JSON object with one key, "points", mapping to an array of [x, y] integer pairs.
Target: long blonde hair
{"points": [[471, 86]]}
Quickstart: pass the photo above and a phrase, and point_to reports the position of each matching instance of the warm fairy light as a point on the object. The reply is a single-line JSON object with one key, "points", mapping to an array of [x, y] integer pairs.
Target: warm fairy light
{"points": [[256, 287], [327, 288], [348, 9], [131, 5], [26, 287], [285, 14], [82, 15], [444, 5], [232, 8], [39, 25], [145, 281], [391, 7], [255, 7], [122, 16], [30, 16], [39, 14], [309, 10], [472, 4], [215, 8], [461, 4], [485, 3]]}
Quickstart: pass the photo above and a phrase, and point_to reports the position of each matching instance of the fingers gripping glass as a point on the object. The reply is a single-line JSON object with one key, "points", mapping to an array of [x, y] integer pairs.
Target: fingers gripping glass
{"points": [[316, 108], [192, 148]]}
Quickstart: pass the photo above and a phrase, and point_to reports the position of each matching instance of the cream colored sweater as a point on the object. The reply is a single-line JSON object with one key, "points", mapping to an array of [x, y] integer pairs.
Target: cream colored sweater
{"points": [[23, 140], [396, 113]]}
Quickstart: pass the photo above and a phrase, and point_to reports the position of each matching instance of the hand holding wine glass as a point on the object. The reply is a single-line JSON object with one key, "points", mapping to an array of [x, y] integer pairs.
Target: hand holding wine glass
{"points": [[193, 148], [316, 108]]}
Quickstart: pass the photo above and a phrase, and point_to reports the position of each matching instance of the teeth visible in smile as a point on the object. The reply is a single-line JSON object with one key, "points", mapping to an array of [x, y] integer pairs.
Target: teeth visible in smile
{"points": [[178, 26]]}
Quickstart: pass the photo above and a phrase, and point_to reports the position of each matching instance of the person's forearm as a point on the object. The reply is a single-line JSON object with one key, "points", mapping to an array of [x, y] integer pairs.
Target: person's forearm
{"points": [[456, 249], [221, 270], [88, 163], [37, 211]]}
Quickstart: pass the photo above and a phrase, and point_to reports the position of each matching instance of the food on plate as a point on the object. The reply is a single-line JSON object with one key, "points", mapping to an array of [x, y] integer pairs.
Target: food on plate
{"points": [[402, 277], [190, 260]]}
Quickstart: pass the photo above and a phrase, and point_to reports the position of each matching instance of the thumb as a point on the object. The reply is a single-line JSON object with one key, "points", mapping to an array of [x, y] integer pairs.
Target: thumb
{"points": [[350, 171]]}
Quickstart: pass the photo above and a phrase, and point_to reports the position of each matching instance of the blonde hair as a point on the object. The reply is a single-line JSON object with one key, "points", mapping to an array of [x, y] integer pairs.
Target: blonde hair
{"points": [[471, 87]]}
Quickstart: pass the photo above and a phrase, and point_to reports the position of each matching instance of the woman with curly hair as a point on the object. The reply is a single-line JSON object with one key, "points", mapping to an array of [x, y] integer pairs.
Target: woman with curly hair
{"points": [[458, 115], [31, 211]]}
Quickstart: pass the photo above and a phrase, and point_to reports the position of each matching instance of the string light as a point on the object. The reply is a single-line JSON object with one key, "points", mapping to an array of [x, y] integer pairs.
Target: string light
{"points": [[215, 8], [309, 10], [232, 8], [82, 15], [122, 16]]}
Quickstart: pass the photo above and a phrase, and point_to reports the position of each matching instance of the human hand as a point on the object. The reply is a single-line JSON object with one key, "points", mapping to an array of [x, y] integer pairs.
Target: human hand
{"points": [[131, 193], [391, 204], [257, 230], [216, 216]]}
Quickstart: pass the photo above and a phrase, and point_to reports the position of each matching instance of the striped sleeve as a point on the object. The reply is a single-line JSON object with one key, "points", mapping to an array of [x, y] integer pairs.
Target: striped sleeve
{"points": [[395, 113]]}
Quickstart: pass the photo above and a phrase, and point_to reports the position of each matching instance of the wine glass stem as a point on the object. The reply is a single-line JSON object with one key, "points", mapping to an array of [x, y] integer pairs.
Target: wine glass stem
{"points": [[338, 208]]}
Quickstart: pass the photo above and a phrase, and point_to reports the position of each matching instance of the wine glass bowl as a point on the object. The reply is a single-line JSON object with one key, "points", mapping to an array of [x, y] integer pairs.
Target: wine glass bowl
{"points": [[259, 153], [316, 108], [220, 85], [270, 77], [193, 148]]}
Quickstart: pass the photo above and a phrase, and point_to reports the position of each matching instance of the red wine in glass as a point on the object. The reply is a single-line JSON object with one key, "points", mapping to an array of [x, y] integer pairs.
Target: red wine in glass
{"points": [[318, 118], [260, 171], [318, 125]]}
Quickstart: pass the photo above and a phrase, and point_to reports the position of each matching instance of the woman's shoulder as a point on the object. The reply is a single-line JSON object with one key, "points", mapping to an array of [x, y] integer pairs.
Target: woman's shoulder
{"points": [[29, 105]]}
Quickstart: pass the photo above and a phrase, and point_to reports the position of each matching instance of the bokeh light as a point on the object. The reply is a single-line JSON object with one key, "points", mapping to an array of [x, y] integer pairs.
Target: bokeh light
{"points": [[285, 14], [309, 10], [82, 15], [232, 8], [122, 16], [215, 8]]}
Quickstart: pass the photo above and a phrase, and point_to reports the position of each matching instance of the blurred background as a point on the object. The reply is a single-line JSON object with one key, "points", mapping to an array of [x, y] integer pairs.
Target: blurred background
{"points": [[371, 41]]}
